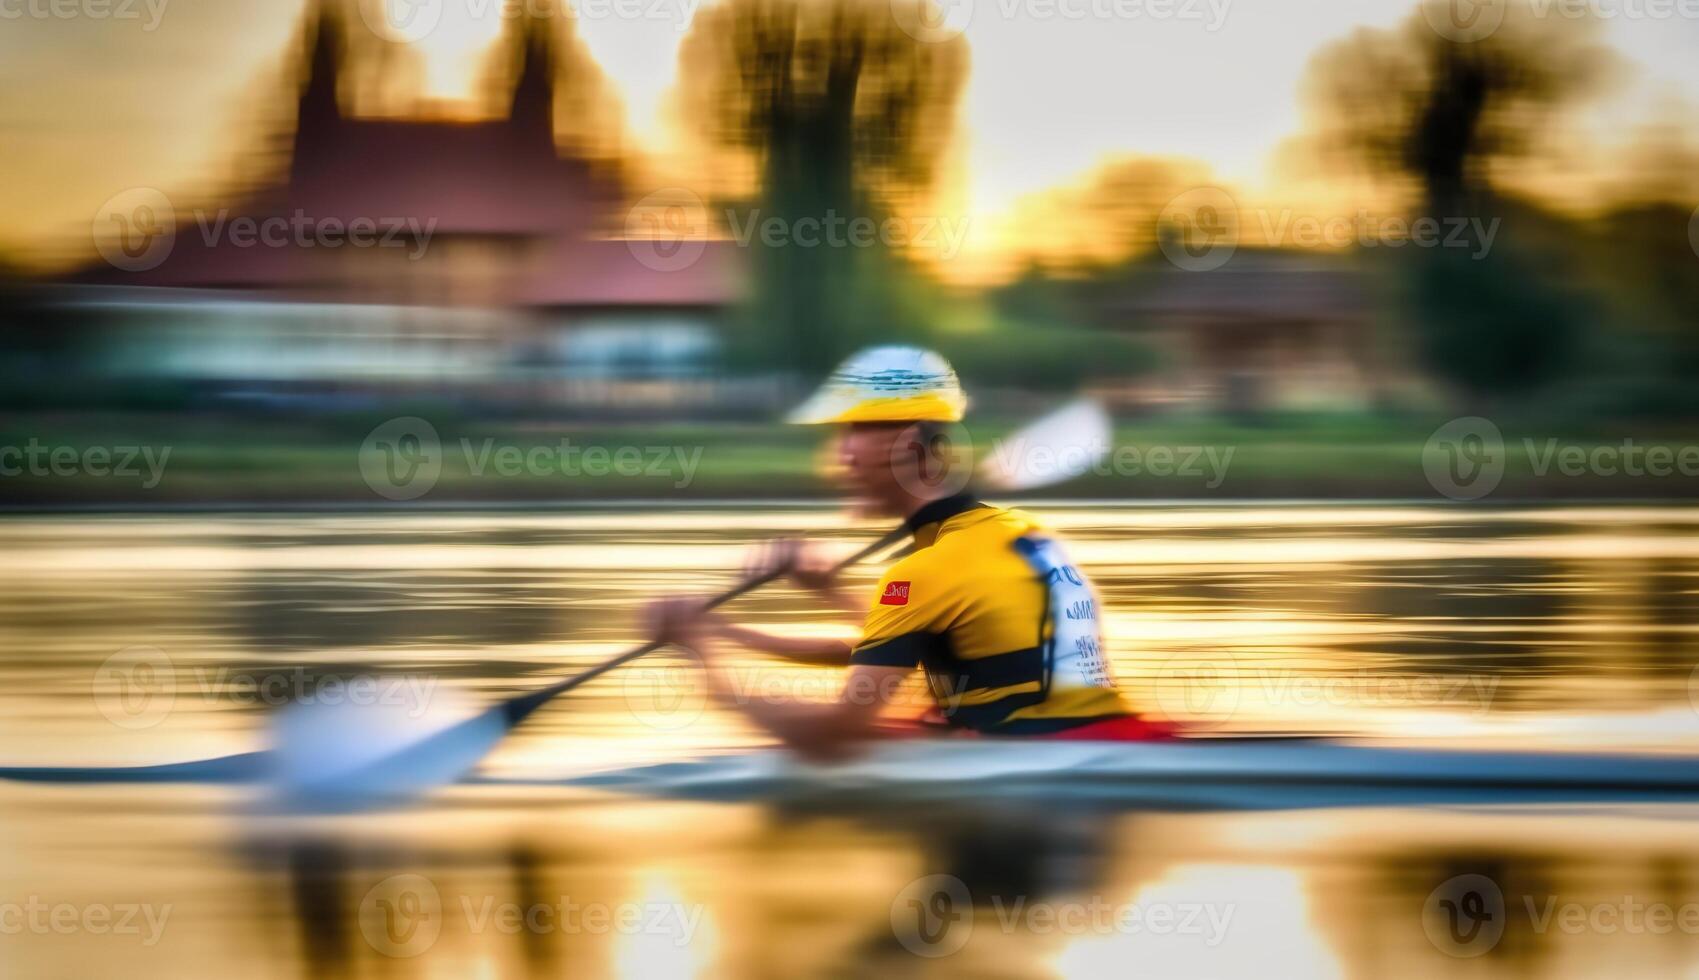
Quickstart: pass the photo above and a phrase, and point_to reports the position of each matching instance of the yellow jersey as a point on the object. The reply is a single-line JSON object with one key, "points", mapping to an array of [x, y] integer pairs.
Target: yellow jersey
{"points": [[1006, 628]]}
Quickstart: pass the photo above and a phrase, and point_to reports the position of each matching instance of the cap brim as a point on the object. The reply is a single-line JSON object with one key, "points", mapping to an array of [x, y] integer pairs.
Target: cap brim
{"points": [[828, 406]]}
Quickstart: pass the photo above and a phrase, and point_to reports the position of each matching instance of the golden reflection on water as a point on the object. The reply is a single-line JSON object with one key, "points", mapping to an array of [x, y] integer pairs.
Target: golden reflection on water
{"points": [[1533, 627], [552, 882]]}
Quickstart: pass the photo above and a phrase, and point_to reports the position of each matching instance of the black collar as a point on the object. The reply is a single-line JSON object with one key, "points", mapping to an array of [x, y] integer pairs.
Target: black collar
{"points": [[942, 509]]}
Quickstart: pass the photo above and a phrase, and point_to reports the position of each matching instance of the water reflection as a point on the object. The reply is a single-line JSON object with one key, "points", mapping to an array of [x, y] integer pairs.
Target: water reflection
{"points": [[1397, 622], [547, 883], [1527, 627]]}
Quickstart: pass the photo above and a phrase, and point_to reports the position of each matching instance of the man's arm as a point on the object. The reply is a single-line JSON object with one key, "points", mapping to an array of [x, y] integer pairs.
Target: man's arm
{"points": [[815, 650], [820, 730], [817, 729]]}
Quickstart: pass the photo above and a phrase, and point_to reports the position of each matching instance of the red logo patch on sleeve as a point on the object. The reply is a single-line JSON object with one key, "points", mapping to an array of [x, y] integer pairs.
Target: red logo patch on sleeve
{"points": [[896, 594]]}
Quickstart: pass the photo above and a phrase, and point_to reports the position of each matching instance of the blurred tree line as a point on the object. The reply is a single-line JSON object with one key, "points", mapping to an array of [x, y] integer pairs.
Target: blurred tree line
{"points": [[838, 111], [1606, 307], [829, 108]]}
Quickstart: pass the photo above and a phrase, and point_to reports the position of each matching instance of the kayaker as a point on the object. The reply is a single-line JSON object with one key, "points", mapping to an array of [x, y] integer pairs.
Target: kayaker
{"points": [[1007, 629]]}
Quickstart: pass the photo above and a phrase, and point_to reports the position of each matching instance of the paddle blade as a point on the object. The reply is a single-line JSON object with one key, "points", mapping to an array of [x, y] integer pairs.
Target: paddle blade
{"points": [[349, 756], [1067, 443]]}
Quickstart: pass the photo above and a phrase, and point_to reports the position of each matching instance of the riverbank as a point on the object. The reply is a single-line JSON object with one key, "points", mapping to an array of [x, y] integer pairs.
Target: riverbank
{"points": [[143, 460]]}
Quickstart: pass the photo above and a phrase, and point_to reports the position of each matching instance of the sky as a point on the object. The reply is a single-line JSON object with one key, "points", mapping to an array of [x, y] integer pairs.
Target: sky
{"points": [[153, 93]]}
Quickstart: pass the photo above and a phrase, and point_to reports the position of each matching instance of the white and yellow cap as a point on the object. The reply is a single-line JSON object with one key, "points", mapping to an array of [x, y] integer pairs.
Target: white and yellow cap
{"points": [[887, 384]]}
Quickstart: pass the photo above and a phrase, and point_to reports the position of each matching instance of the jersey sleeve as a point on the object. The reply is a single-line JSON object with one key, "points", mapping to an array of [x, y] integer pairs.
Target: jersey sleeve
{"points": [[902, 623]]}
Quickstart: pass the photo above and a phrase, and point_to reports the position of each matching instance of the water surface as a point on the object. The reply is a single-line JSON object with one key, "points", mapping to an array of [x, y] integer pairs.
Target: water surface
{"points": [[158, 639]]}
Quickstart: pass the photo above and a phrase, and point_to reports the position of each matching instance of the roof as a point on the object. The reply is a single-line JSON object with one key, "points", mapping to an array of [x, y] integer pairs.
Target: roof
{"points": [[1254, 284], [614, 273], [465, 177]]}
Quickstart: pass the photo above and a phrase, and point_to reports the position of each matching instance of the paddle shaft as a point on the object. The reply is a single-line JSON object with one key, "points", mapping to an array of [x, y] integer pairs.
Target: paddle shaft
{"points": [[518, 709]]}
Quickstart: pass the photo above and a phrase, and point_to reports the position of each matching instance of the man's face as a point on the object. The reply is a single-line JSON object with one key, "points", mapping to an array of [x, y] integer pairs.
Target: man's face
{"points": [[875, 456], [890, 464]]}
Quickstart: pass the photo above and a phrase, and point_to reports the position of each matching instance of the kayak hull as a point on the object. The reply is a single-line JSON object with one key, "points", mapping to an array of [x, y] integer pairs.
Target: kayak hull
{"points": [[1189, 773]]}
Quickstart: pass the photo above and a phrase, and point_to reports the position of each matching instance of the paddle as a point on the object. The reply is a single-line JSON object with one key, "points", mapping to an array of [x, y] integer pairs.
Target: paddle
{"points": [[347, 758]]}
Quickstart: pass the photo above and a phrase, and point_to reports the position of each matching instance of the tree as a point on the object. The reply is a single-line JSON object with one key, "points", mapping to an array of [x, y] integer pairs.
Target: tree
{"points": [[1446, 116], [840, 116]]}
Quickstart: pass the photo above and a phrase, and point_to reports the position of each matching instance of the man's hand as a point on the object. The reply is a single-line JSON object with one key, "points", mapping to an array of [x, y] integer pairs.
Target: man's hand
{"points": [[800, 560], [680, 620]]}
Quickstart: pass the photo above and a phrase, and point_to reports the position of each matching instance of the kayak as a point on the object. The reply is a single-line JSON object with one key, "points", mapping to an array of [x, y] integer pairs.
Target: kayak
{"points": [[1230, 773]]}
